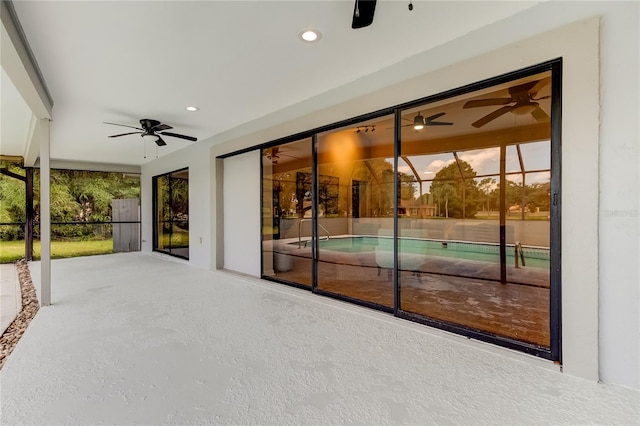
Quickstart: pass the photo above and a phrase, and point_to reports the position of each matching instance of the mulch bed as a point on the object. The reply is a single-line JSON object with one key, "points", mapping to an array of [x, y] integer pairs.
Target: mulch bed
{"points": [[30, 306]]}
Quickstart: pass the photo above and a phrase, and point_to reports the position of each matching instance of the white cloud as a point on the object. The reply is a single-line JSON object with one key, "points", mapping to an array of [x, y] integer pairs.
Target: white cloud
{"points": [[484, 162], [437, 165], [405, 169]]}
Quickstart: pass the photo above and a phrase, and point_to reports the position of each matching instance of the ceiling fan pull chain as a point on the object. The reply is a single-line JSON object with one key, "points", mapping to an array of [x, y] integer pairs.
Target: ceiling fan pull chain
{"points": [[410, 5], [144, 148], [357, 12]]}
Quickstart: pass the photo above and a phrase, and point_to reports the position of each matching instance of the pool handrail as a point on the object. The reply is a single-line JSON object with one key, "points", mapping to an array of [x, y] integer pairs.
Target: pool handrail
{"points": [[517, 248], [300, 232]]}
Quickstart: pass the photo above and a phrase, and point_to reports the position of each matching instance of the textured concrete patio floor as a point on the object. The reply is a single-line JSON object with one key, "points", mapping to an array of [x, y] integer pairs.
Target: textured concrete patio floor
{"points": [[10, 296], [133, 339]]}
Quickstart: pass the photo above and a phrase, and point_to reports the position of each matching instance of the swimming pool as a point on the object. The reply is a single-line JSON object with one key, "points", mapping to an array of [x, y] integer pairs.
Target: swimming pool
{"points": [[537, 257]]}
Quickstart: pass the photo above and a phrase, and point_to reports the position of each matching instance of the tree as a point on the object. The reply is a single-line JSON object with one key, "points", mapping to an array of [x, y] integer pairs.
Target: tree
{"points": [[12, 195], [75, 196], [487, 187], [458, 196], [538, 196]]}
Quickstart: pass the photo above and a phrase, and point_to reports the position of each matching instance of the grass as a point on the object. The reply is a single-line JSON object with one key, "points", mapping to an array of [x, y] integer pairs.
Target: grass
{"points": [[179, 238], [10, 251]]}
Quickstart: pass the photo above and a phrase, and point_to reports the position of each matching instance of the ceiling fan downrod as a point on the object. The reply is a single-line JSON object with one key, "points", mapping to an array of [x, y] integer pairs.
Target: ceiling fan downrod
{"points": [[363, 12]]}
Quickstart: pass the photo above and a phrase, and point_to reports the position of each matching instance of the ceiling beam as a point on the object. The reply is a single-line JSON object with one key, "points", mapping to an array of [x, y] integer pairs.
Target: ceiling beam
{"points": [[470, 141], [12, 158], [32, 144], [92, 167], [18, 61]]}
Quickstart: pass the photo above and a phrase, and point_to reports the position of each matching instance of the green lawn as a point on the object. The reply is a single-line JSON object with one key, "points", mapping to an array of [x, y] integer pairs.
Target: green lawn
{"points": [[179, 238], [10, 251]]}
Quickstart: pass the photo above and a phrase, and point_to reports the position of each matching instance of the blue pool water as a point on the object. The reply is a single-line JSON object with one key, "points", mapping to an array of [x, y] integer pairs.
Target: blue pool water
{"points": [[537, 257]]}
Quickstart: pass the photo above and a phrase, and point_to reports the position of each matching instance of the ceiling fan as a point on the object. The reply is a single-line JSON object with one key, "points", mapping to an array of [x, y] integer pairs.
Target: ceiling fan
{"points": [[152, 129], [275, 153], [419, 122], [523, 97], [363, 12]]}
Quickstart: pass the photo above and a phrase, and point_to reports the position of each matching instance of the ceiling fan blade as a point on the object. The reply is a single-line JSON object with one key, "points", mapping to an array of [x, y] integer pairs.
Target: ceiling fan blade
{"points": [[490, 117], [540, 85], [429, 120], [175, 135], [160, 127], [487, 102], [160, 141], [125, 134], [123, 125], [539, 99], [523, 88], [539, 114], [290, 156], [434, 116], [363, 12]]}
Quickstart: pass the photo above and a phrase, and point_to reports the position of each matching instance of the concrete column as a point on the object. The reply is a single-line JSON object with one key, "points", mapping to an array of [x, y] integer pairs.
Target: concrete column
{"points": [[45, 213]]}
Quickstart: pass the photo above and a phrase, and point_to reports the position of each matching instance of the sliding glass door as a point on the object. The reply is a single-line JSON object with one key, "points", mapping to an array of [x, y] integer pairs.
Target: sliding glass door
{"points": [[171, 210], [441, 211], [287, 212], [355, 196]]}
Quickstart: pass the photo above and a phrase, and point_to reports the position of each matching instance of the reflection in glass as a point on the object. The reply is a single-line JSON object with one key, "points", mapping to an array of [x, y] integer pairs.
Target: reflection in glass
{"points": [[470, 195], [355, 211], [462, 238], [286, 212]]}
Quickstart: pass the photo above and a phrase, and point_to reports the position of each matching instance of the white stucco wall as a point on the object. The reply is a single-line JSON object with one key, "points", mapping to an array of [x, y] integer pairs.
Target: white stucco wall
{"points": [[600, 251], [196, 158], [619, 191], [241, 206]]}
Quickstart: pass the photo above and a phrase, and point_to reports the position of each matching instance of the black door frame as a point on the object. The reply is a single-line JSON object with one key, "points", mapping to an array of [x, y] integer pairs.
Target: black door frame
{"points": [[154, 184], [554, 352]]}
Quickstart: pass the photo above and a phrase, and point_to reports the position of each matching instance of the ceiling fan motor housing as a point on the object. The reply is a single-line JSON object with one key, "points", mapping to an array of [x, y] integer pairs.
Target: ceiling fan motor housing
{"points": [[148, 123]]}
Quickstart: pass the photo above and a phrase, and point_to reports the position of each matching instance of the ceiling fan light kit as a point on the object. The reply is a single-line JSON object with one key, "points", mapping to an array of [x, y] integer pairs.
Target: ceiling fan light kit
{"points": [[419, 121]]}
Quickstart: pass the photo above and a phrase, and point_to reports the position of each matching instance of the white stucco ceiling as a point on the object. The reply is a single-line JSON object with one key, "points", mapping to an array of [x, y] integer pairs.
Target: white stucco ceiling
{"points": [[120, 61]]}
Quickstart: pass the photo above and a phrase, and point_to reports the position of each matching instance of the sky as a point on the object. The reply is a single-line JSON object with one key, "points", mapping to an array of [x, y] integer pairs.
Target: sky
{"points": [[535, 156]]}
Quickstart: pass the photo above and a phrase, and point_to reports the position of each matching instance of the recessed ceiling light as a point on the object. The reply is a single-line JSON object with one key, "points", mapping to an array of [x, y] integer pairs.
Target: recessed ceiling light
{"points": [[310, 35], [192, 108]]}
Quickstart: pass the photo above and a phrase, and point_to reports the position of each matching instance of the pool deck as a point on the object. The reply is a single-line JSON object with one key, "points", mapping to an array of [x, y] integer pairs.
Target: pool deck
{"points": [[439, 265], [139, 339]]}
